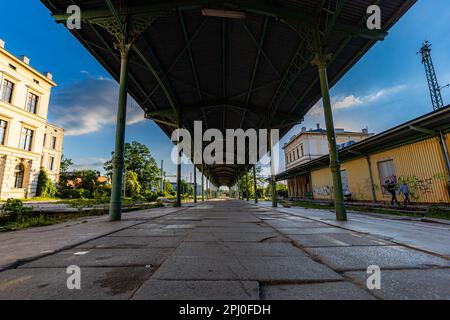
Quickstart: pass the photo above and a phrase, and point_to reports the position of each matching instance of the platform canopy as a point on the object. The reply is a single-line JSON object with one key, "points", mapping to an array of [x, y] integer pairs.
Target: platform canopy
{"points": [[231, 64]]}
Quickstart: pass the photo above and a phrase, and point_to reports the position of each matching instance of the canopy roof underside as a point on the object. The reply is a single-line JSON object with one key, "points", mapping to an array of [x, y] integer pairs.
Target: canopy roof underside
{"points": [[254, 72]]}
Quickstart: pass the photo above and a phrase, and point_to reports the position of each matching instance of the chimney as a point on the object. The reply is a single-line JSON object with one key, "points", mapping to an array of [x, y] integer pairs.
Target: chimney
{"points": [[365, 130], [304, 129], [48, 75], [318, 126], [2, 44], [25, 59]]}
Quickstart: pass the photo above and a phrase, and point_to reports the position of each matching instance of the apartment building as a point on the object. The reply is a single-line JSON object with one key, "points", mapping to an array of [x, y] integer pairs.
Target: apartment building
{"points": [[312, 144], [27, 141]]}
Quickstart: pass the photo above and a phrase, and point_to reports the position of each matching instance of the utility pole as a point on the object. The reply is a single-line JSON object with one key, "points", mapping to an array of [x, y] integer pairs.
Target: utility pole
{"points": [[433, 84]]}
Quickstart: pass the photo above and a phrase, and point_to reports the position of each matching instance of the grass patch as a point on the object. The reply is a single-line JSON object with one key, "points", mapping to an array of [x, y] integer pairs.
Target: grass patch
{"points": [[14, 216]]}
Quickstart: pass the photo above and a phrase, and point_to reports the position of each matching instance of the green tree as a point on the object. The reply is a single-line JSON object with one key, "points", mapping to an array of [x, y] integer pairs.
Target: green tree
{"points": [[133, 187], [138, 159], [251, 184], [66, 163], [45, 186], [168, 188]]}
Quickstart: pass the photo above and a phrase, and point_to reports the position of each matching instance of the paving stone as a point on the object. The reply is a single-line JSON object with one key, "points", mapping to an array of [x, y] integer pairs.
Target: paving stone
{"points": [[298, 268], [206, 268], [51, 284], [202, 249], [255, 229], [198, 290], [235, 237], [102, 257], [431, 284], [152, 233], [317, 291], [337, 240], [313, 230], [360, 258], [132, 242]]}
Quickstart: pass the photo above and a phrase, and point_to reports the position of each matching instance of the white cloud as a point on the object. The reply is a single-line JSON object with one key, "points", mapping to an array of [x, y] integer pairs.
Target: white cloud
{"points": [[89, 163], [352, 101], [89, 105]]}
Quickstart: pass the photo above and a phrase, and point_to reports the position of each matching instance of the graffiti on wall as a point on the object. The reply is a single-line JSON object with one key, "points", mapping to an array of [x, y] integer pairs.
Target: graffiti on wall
{"points": [[420, 187], [324, 191]]}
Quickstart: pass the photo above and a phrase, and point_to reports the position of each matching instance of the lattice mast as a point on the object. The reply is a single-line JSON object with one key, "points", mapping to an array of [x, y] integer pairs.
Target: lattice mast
{"points": [[433, 85]]}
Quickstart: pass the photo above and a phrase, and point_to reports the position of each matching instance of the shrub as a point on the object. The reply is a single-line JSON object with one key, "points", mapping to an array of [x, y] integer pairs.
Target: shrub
{"points": [[102, 192], [16, 212], [75, 194], [45, 186], [151, 196]]}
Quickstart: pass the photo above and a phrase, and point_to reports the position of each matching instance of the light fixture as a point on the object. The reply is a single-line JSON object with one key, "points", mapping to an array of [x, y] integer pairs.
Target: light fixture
{"points": [[223, 13]]}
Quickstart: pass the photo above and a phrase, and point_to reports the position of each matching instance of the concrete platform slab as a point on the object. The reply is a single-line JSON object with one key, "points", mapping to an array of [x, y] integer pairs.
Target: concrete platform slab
{"points": [[318, 291], [319, 230], [152, 233], [209, 249], [198, 290], [51, 284], [337, 240], [298, 268], [360, 258], [102, 258], [112, 242], [410, 284], [235, 237]]}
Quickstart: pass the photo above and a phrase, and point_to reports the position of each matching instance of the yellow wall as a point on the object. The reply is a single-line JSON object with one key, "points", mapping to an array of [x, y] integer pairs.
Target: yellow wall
{"points": [[322, 184], [421, 164]]}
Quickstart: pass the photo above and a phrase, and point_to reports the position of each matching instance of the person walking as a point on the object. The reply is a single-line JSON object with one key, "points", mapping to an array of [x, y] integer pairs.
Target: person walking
{"points": [[404, 189], [391, 187]]}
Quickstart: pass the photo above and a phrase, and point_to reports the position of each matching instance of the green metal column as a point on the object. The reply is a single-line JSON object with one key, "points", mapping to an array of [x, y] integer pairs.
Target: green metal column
{"points": [[255, 186], [273, 182], [203, 183], [247, 190], [372, 183], [341, 212], [178, 201], [115, 210], [195, 184]]}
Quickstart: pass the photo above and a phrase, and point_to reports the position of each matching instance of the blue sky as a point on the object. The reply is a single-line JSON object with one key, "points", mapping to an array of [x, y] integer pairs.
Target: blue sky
{"points": [[386, 88]]}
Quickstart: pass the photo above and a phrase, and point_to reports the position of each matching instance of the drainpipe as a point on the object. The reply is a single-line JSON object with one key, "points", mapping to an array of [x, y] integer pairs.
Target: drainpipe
{"points": [[372, 184], [446, 158]]}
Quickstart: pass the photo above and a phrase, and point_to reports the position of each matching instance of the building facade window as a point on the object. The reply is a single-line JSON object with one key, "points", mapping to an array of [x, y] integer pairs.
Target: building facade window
{"points": [[51, 163], [3, 127], [27, 139], [53, 142], [302, 150], [7, 91], [32, 103], [19, 175]]}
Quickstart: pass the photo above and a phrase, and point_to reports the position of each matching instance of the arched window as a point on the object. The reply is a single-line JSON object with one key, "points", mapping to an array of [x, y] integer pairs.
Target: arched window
{"points": [[19, 174]]}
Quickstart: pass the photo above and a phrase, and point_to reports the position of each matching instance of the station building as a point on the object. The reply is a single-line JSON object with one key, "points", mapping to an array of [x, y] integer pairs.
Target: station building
{"points": [[27, 141], [416, 152]]}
